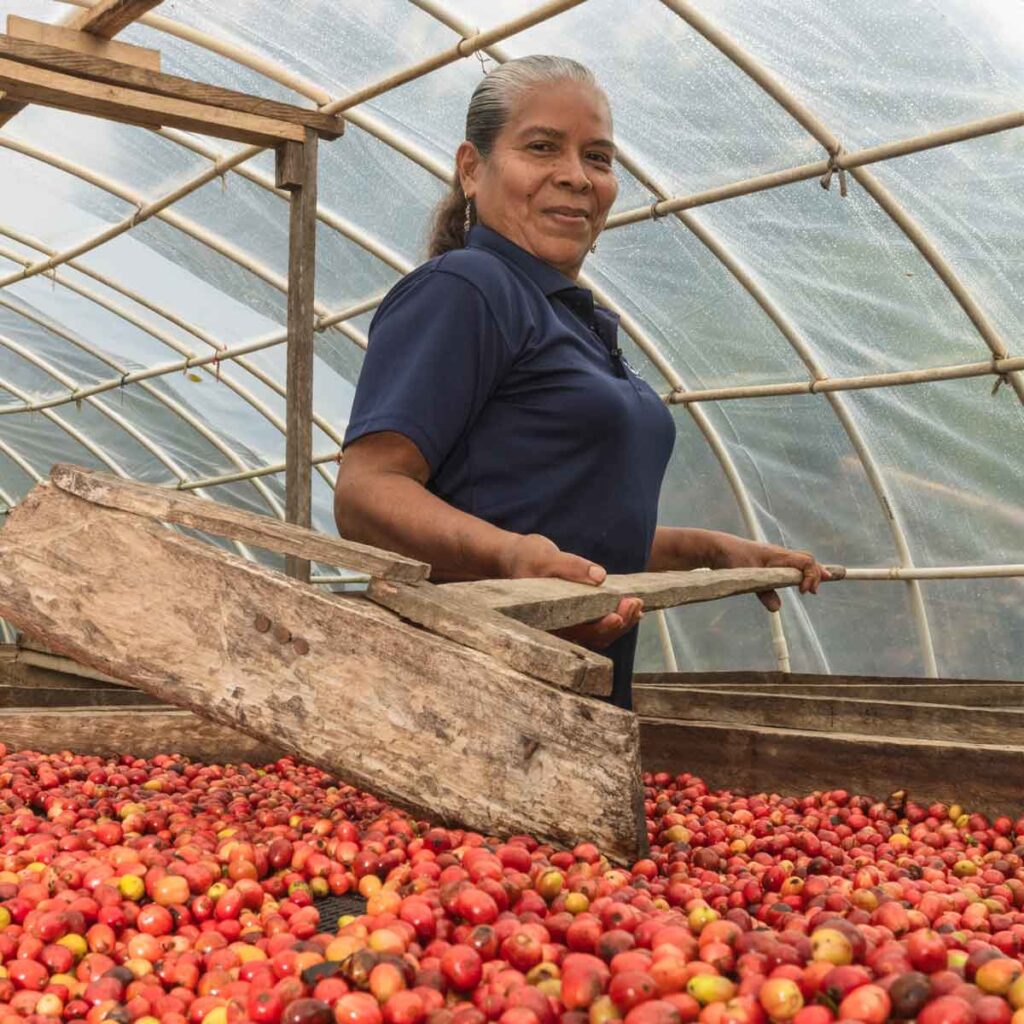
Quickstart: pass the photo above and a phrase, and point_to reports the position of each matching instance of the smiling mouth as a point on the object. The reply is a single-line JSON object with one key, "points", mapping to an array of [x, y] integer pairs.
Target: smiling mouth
{"points": [[569, 213]]}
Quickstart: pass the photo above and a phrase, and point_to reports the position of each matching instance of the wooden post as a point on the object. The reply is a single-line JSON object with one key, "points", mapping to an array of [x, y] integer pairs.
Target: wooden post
{"points": [[297, 172]]}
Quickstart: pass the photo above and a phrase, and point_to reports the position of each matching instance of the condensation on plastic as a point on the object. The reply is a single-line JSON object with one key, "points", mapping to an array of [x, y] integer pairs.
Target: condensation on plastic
{"points": [[851, 285]]}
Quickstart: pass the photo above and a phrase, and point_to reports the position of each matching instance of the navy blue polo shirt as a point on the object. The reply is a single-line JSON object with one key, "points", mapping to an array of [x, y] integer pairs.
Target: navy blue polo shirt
{"points": [[508, 379]]}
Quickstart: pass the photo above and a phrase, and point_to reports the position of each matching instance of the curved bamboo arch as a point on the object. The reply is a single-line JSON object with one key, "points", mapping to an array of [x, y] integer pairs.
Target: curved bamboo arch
{"points": [[164, 399], [116, 418], [151, 329], [817, 129]]}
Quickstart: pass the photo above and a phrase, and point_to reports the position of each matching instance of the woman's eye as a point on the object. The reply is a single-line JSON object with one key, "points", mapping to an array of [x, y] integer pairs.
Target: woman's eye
{"points": [[601, 157]]}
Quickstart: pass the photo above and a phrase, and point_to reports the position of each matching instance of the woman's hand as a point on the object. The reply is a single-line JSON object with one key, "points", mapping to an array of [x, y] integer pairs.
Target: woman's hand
{"points": [[740, 553], [534, 555]]}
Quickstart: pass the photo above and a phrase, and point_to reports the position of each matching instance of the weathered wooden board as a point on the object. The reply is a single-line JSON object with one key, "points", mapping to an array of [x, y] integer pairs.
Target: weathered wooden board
{"points": [[442, 729], [16, 696], [26, 83], [762, 759], [529, 650], [109, 17], [225, 521], [299, 356], [554, 604], [953, 723], [103, 20], [47, 50], [143, 731], [971, 692], [58, 37]]}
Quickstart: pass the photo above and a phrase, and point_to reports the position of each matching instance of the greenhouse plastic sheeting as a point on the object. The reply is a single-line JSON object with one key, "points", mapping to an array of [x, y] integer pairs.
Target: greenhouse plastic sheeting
{"points": [[782, 285]]}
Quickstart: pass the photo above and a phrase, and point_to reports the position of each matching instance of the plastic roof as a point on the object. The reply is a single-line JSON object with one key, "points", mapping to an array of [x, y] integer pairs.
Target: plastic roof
{"points": [[143, 276]]}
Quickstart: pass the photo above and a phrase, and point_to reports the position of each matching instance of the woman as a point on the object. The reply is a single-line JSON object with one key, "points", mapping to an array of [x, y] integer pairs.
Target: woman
{"points": [[496, 431]]}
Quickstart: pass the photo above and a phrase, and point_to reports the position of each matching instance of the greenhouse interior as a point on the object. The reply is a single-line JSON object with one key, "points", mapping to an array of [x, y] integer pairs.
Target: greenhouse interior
{"points": [[299, 723], [145, 286]]}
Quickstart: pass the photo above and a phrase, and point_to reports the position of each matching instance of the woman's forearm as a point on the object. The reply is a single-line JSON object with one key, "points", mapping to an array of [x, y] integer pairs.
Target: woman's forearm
{"points": [[391, 510], [683, 547]]}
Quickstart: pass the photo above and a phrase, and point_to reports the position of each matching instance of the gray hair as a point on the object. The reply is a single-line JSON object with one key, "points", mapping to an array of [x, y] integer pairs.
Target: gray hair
{"points": [[490, 108]]}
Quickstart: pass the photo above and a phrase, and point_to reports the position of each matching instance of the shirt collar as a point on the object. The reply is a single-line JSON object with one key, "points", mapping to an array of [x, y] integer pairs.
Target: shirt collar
{"points": [[545, 276]]}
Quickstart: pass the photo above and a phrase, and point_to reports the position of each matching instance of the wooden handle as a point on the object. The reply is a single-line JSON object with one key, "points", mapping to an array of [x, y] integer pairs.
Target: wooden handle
{"points": [[554, 604]]}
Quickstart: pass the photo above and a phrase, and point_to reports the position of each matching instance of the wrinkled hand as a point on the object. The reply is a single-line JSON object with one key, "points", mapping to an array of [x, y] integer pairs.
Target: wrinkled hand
{"points": [[739, 553], [533, 555], [602, 633]]}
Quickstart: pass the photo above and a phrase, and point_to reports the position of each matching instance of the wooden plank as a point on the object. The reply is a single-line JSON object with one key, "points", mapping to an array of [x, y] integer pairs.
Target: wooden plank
{"points": [[236, 524], [529, 650], [61, 56], [142, 731], [834, 714], [108, 17], [27, 675], [58, 37], [299, 370], [104, 20], [72, 697], [449, 732], [30, 84], [553, 604], [760, 759], [974, 693]]}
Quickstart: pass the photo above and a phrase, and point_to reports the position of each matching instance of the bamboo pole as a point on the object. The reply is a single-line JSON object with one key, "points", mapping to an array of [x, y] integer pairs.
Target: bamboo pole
{"points": [[942, 572], [463, 48], [826, 385], [158, 395], [82, 392], [804, 172], [908, 224]]}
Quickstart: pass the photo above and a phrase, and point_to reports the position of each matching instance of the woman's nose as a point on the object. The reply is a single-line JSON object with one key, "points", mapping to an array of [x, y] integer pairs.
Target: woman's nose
{"points": [[572, 172]]}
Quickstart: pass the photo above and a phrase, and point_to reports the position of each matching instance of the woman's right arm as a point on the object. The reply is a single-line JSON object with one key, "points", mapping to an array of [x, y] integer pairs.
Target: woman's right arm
{"points": [[381, 498]]}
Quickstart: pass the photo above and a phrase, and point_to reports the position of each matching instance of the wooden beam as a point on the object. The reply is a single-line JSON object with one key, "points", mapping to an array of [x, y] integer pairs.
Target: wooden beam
{"points": [[759, 759], [529, 650], [553, 604], [449, 732], [181, 509], [108, 17], [972, 692], [29, 84], [891, 718], [301, 174], [142, 731], [55, 38], [61, 57], [101, 21]]}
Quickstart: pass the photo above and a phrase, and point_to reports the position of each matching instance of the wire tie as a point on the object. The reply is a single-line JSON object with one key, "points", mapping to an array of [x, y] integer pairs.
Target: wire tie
{"points": [[134, 218], [1001, 379], [655, 213], [484, 61], [124, 379], [216, 364], [223, 175], [826, 178]]}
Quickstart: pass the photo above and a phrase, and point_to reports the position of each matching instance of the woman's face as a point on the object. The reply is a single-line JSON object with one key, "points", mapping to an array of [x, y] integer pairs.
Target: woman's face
{"points": [[549, 181]]}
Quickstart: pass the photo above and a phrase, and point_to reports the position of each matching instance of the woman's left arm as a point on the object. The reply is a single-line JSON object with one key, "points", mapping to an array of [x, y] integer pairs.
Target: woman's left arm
{"points": [[680, 547]]}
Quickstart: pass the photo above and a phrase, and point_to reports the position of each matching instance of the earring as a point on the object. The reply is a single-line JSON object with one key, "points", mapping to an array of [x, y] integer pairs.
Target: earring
{"points": [[593, 248], [468, 222]]}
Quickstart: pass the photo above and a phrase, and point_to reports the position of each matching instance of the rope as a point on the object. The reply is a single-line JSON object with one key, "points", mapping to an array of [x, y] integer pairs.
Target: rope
{"points": [[826, 178]]}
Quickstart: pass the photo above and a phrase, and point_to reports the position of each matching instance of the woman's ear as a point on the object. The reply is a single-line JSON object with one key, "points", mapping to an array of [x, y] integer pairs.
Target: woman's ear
{"points": [[467, 167]]}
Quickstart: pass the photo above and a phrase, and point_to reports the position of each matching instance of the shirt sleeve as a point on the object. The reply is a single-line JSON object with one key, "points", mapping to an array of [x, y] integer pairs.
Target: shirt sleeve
{"points": [[436, 353]]}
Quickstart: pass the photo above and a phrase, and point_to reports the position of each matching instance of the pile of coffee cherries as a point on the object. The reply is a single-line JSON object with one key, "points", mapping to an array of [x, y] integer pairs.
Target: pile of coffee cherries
{"points": [[137, 890]]}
